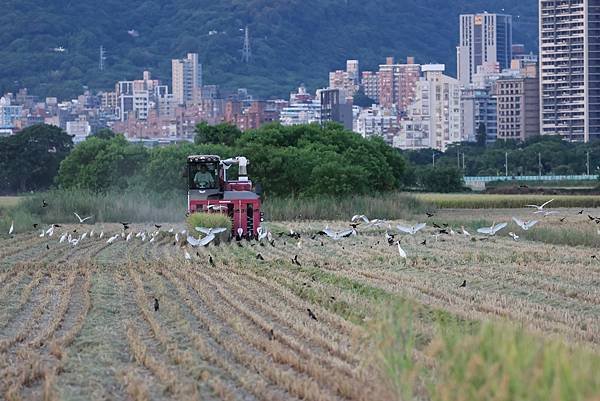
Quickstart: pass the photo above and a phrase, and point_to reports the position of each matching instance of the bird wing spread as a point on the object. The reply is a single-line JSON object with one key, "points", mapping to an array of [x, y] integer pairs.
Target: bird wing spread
{"points": [[498, 227], [346, 233], [330, 233], [403, 229], [207, 240], [419, 226], [551, 200], [531, 223], [203, 230], [520, 223], [218, 230], [193, 241], [484, 230]]}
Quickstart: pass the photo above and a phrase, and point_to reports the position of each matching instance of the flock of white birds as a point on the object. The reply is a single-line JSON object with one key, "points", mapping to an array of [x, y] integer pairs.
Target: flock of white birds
{"points": [[208, 235]]}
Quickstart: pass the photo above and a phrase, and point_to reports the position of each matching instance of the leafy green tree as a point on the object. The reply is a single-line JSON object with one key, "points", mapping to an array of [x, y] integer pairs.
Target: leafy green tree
{"points": [[440, 179], [105, 133], [221, 134], [102, 164], [30, 159]]}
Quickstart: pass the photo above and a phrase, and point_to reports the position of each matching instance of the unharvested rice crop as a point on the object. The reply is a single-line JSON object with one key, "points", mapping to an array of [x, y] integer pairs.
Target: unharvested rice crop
{"points": [[79, 321], [496, 201]]}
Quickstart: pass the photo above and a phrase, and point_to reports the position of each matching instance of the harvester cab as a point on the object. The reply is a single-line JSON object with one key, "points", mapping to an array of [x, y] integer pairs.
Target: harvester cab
{"points": [[210, 191]]}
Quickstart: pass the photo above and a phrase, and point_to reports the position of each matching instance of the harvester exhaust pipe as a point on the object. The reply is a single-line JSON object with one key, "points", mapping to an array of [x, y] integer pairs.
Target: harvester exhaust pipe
{"points": [[243, 171], [242, 163]]}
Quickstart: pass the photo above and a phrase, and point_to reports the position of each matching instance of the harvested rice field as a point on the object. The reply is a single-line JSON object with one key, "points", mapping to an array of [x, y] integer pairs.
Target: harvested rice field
{"points": [[304, 318]]}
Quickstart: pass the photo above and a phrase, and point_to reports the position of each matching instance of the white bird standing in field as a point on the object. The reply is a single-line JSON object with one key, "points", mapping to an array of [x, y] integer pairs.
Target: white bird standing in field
{"points": [[262, 233], [540, 209], [42, 234], [188, 256], [63, 238], [80, 219], [176, 237], [128, 237], [525, 225], [12, 228], [101, 235], [411, 230], [83, 236], [493, 229], [401, 251], [465, 232], [513, 236], [112, 239], [50, 231], [337, 235]]}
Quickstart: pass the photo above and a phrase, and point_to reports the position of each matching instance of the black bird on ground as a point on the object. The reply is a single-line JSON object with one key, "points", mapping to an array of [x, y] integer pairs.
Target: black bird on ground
{"points": [[581, 212], [155, 305], [47, 246], [429, 215], [563, 219], [311, 314], [271, 335], [436, 225], [44, 203], [464, 284], [210, 260], [35, 225], [259, 257], [295, 261], [125, 226], [424, 242], [158, 226]]}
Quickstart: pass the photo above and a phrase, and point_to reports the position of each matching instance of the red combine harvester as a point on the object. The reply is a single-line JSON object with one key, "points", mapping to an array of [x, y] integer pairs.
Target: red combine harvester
{"points": [[209, 191]]}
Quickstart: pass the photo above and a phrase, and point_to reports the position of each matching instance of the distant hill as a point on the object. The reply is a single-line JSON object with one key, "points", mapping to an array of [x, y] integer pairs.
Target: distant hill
{"points": [[292, 41]]}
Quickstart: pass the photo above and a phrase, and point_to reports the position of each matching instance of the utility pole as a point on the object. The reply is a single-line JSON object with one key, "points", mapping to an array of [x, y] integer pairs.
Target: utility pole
{"points": [[587, 162], [102, 58], [506, 164], [463, 157], [539, 164], [433, 158], [457, 158], [246, 52]]}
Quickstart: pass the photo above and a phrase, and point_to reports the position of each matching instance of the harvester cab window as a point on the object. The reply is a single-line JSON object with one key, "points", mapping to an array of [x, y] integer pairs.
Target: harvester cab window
{"points": [[205, 176]]}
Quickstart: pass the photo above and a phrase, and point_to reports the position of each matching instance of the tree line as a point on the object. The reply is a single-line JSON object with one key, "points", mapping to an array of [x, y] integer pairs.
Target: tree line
{"points": [[299, 161], [545, 155]]}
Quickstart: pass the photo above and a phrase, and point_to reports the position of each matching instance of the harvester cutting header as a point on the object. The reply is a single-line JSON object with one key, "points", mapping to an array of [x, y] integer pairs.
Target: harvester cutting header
{"points": [[209, 191]]}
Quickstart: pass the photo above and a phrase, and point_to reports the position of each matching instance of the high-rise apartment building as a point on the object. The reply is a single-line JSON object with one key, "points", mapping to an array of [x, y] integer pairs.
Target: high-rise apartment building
{"points": [[434, 119], [370, 85], [397, 83], [484, 38], [187, 79], [570, 68], [518, 102], [348, 81]]}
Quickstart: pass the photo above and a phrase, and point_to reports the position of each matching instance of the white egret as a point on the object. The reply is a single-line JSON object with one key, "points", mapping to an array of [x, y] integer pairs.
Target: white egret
{"points": [[411, 230]]}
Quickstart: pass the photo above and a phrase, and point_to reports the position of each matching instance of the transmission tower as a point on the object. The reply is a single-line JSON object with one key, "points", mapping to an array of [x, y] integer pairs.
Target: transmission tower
{"points": [[246, 52], [102, 58]]}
